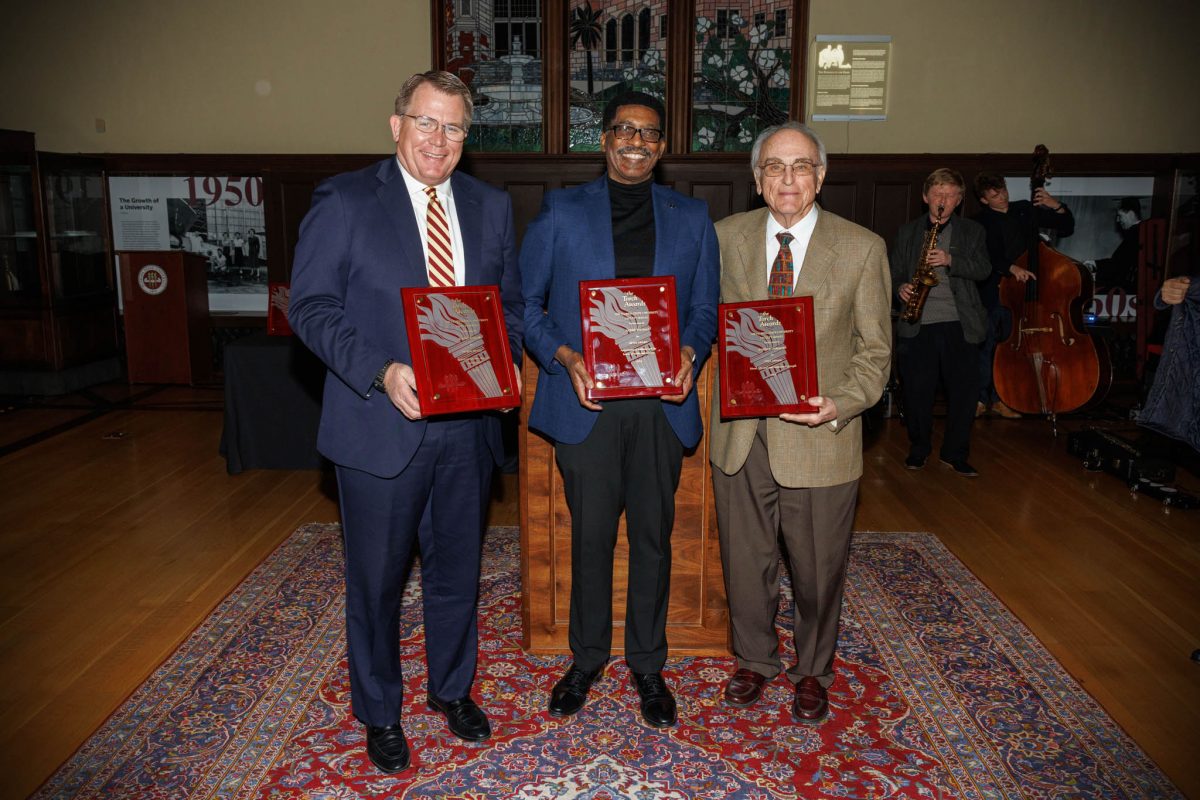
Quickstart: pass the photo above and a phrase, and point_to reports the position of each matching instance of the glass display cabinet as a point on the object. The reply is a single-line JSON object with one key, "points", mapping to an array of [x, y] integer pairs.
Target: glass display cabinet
{"points": [[58, 303]]}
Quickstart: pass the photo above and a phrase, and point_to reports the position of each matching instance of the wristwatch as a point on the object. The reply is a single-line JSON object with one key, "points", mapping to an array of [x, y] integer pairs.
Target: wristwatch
{"points": [[379, 376]]}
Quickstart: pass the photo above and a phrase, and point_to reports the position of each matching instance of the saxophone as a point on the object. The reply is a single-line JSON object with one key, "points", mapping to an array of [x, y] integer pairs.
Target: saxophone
{"points": [[924, 278]]}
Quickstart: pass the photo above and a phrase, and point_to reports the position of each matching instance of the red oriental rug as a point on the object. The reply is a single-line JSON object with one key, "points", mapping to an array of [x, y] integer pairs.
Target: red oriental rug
{"points": [[940, 693]]}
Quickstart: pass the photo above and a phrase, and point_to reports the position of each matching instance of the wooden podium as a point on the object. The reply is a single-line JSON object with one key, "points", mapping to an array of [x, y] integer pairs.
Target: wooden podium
{"points": [[698, 618], [167, 338]]}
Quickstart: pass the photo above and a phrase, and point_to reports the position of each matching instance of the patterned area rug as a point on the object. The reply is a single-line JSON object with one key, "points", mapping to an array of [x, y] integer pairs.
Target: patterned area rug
{"points": [[940, 693]]}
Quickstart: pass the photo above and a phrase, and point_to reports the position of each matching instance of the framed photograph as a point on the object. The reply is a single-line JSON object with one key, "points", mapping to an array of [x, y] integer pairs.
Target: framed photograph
{"points": [[630, 336], [460, 350], [768, 357]]}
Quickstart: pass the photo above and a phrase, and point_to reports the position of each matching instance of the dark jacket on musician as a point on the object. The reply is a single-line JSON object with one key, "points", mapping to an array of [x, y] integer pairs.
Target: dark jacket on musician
{"points": [[968, 264]]}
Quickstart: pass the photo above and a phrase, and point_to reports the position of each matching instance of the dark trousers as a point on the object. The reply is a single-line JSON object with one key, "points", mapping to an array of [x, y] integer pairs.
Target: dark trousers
{"points": [[753, 511], [630, 461], [939, 350], [998, 328], [437, 502]]}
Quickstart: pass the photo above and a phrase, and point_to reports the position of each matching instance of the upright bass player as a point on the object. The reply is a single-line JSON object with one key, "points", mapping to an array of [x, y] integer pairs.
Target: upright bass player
{"points": [[940, 338]]}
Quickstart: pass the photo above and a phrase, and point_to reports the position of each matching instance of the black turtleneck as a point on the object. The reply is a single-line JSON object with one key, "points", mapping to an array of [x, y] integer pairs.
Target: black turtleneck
{"points": [[633, 228]]}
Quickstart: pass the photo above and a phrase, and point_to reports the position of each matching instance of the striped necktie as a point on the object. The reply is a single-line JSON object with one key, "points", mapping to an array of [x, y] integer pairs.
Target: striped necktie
{"points": [[780, 284], [437, 231]]}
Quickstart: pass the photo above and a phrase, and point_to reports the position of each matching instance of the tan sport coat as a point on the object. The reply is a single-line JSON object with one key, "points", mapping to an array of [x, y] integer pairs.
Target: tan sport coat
{"points": [[846, 272]]}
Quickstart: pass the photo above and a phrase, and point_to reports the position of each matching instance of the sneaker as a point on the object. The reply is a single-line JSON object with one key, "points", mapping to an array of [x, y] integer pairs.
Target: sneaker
{"points": [[962, 468], [914, 462], [980, 409]]}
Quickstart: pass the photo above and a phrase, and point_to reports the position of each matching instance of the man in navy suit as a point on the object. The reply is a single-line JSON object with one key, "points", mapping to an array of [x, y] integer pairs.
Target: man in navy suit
{"points": [[403, 478], [624, 454]]}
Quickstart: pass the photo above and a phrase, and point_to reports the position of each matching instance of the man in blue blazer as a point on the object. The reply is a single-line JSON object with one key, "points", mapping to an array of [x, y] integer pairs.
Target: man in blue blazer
{"points": [[624, 455], [404, 479]]}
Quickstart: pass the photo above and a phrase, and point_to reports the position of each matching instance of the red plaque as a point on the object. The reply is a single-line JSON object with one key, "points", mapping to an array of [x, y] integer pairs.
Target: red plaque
{"points": [[460, 351], [768, 357], [630, 336], [278, 295]]}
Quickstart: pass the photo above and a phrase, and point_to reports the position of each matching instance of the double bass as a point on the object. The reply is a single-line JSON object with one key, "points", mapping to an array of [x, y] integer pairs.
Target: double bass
{"points": [[1049, 364]]}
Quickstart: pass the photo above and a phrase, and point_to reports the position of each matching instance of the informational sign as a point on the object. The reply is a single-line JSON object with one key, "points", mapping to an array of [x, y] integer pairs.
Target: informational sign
{"points": [[851, 78], [220, 217]]}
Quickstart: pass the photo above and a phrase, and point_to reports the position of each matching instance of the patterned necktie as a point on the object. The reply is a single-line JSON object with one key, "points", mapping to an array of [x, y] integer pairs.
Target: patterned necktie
{"points": [[780, 284], [437, 231]]}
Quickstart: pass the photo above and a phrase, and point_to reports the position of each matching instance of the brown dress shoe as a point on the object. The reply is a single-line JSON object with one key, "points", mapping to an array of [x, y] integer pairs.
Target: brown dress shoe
{"points": [[811, 703], [1004, 411], [744, 688]]}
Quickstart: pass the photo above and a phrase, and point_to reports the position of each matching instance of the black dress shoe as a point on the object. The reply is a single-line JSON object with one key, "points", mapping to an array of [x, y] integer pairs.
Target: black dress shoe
{"points": [[387, 748], [658, 706], [914, 462], [571, 691], [962, 468], [465, 719]]}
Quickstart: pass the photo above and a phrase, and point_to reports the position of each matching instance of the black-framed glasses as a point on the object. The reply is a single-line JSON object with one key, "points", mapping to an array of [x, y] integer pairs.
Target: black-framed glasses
{"points": [[624, 131], [455, 133], [775, 169]]}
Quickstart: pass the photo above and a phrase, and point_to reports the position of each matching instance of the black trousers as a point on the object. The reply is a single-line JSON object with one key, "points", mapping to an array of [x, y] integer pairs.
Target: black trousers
{"points": [[629, 462], [939, 350]]}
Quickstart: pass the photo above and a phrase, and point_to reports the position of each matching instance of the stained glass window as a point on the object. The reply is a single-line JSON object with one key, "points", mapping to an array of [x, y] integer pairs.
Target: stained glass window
{"points": [[496, 49], [741, 62], [612, 47]]}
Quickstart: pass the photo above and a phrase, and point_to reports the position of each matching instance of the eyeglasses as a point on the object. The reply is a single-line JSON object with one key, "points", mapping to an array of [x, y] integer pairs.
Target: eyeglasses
{"points": [[454, 133], [624, 131], [775, 169]]}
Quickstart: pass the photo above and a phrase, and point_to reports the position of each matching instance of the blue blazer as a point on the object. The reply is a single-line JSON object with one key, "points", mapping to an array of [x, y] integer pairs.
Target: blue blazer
{"points": [[359, 245], [571, 241]]}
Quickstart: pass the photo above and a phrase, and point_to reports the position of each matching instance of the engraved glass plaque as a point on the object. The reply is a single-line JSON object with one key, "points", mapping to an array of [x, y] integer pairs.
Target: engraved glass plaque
{"points": [[768, 357], [630, 336], [460, 351]]}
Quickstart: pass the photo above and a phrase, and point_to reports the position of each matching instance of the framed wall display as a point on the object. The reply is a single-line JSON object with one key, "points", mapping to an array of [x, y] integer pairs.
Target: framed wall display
{"points": [[768, 357], [218, 217], [850, 78], [1108, 211], [459, 347]]}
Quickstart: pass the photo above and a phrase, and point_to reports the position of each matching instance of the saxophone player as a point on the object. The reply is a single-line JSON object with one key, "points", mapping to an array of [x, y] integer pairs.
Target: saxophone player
{"points": [[943, 341]]}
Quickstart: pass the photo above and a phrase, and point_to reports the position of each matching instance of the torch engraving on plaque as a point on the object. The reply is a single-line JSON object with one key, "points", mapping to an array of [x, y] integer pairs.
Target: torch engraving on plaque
{"points": [[623, 317], [759, 337], [455, 326]]}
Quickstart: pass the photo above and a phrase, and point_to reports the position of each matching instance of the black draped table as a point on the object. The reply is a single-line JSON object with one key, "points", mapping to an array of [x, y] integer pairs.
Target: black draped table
{"points": [[272, 404]]}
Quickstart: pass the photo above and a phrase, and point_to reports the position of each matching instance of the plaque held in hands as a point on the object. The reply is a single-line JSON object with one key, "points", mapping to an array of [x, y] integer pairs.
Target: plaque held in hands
{"points": [[460, 351], [768, 357], [630, 337]]}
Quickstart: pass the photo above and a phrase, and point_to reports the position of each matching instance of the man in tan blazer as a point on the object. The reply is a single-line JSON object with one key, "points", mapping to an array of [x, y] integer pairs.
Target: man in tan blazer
{"points": [[797, 475]]}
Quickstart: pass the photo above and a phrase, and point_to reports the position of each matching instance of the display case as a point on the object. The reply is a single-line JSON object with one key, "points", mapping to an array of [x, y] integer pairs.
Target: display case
{"points": [[58, 302]]}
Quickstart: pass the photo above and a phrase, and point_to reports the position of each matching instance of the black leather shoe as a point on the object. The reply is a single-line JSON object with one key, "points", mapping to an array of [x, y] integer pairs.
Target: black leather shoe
{"points": [[962, 468], [914, 462], [387, 748], [658, 705], [465, 719], [571, 691]]}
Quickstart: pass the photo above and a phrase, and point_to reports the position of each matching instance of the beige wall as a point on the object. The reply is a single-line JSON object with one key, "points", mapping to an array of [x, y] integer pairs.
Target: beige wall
{"points": [[208, 76], [982, 76], [317, 76]]}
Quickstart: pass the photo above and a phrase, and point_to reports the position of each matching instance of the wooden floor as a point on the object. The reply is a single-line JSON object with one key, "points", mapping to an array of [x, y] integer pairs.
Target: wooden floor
{"points": [[121, 530]]}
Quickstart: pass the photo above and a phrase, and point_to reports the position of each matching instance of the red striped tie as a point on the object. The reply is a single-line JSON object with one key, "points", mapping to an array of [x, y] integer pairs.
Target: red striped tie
{"points": [[437, 230]]}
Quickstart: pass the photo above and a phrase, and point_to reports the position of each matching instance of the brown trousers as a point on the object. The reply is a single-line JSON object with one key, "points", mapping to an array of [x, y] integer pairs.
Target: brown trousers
{"points": [[753, 512]]}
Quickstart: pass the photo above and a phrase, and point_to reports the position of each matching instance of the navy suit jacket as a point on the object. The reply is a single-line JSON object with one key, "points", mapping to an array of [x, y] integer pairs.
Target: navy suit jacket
{"points": [[359, 245], [570, 241]]}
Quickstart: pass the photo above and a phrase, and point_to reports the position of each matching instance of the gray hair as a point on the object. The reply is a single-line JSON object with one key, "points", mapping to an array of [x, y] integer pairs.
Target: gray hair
{"points": [[790, 125], [444, 82]]}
